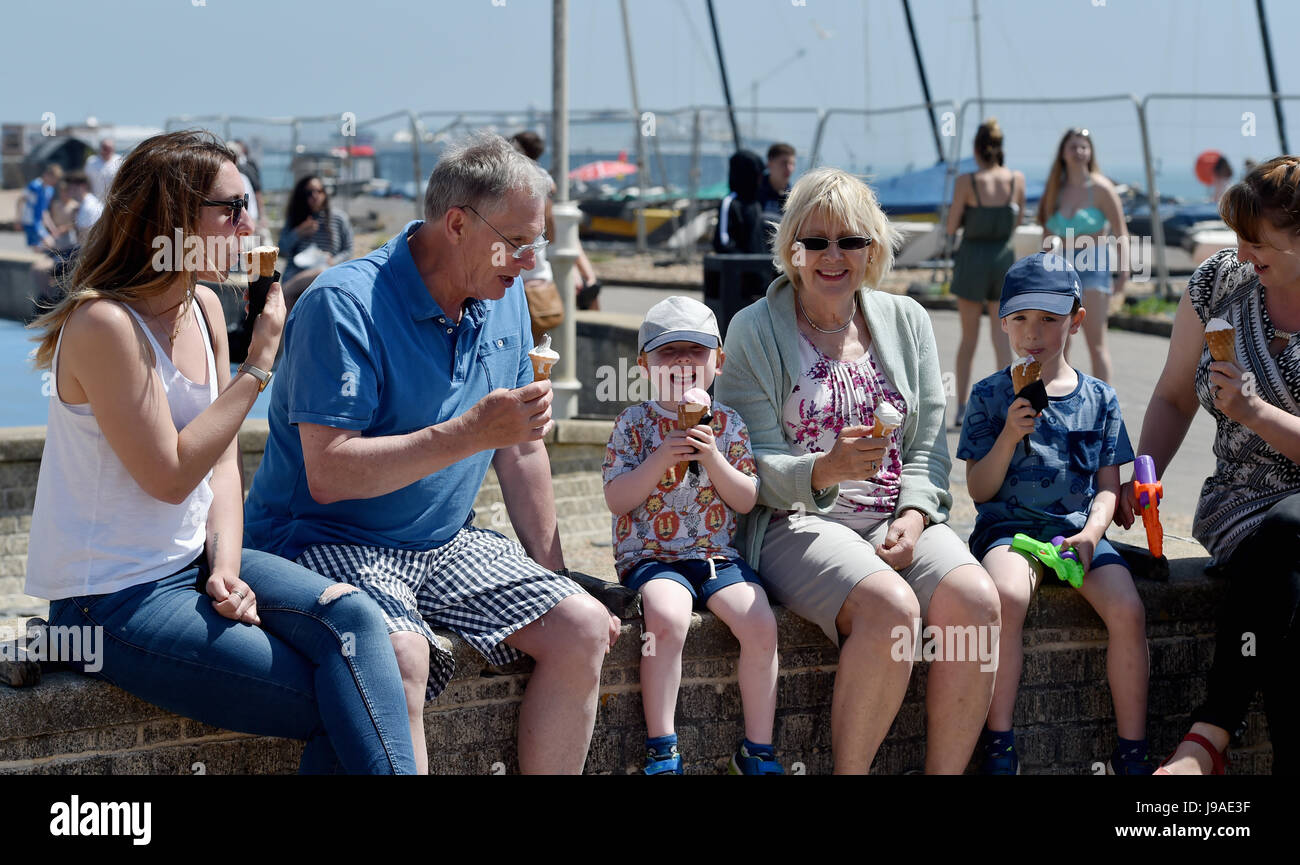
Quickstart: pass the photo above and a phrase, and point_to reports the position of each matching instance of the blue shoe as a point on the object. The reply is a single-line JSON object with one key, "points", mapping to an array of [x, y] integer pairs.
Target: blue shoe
{"points": [[755, 762], [663, 762], [998, 759], [1130, 764]]}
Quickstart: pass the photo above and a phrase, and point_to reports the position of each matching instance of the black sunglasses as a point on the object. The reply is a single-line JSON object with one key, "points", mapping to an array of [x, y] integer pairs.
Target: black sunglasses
{"points": [[848, 244], [237, 206]]}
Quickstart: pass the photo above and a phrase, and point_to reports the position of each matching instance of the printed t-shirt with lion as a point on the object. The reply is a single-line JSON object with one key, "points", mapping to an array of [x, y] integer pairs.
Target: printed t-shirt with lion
{"points": [[684, 518]]}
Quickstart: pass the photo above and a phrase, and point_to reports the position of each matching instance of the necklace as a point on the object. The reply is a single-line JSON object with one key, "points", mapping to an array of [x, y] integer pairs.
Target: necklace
{"points": [[813, 324], [181, 317]]}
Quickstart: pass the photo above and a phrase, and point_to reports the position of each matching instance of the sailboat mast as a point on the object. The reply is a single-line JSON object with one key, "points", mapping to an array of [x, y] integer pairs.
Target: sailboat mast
{"points": [[979, 66], [925, 85], [722, 67], [1272, 75]]}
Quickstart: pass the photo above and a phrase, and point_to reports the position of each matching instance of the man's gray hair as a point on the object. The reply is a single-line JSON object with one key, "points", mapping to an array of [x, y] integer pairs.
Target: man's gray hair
{"points": [[480, 170]]}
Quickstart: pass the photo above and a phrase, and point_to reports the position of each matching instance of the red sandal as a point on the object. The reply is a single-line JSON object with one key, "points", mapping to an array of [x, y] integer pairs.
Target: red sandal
{"points": [[1219, 758]]}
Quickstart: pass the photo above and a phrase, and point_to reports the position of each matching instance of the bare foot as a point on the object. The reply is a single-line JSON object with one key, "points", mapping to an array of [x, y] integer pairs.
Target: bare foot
{"points": [[1189, 759], [1193, 758]]}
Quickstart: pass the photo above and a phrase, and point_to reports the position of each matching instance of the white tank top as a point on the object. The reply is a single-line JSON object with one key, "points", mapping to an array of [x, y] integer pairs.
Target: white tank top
{"points": [[94, 530]]}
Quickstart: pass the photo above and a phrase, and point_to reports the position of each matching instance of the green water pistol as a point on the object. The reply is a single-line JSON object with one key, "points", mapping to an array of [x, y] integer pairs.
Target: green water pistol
{"points": [[1065, 562]]}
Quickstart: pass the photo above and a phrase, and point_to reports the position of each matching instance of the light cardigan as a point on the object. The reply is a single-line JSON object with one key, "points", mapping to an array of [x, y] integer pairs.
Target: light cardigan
{"points": [[761, 368]]}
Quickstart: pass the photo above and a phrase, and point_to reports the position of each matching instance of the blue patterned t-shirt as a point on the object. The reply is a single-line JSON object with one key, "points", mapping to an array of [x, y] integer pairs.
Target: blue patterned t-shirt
{"points": [[1048, 492]]}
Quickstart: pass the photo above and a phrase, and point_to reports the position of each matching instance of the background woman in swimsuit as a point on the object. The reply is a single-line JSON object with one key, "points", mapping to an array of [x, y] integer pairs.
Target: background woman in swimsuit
{"points": [[1082, 220]]}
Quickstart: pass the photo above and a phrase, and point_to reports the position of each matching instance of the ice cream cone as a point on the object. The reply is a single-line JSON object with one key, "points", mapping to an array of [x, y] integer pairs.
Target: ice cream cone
{"points": [[688, 415], [260, 261], [887, 418], [1023, 374], [543, 357], [1223, 344]]}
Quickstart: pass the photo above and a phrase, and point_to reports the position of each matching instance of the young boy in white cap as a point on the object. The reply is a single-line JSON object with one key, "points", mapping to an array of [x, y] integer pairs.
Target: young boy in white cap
{"points": [[1050, 473], [675, 493]]}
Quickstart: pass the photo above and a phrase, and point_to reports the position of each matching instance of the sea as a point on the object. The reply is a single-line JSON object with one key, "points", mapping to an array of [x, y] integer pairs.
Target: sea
{"points": [[25, 392]]}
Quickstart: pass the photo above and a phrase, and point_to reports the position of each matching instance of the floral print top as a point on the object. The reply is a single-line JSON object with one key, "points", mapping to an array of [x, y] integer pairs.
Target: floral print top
{"points": [[831, 395]]}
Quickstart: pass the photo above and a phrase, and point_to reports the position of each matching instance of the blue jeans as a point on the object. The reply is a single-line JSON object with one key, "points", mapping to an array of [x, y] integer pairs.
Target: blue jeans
{"points": [[324, 673]]}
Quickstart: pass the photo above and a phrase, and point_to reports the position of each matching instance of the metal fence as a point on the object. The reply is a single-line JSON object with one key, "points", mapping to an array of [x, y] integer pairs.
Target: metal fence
{"points": [[688, 148]]}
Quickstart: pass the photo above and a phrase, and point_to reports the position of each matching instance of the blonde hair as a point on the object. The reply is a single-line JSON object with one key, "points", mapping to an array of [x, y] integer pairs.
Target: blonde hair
{"points": [[844, 199], [988, 142]]}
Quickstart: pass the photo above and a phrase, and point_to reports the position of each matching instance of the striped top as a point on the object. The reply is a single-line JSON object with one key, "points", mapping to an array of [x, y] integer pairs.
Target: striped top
{"points": [[333, 236], [1249, 475]]}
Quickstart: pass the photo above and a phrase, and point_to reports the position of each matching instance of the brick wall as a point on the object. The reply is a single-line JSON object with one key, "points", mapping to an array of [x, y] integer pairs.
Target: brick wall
{"points": [[1064, 718]]}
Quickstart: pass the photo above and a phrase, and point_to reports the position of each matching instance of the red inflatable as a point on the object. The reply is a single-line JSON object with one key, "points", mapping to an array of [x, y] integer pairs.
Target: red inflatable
{"points": [[1205, 166]]}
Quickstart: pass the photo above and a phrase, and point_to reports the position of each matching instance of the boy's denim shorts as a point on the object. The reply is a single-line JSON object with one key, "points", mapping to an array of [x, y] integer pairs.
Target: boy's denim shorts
{"points": [[701, 577]]}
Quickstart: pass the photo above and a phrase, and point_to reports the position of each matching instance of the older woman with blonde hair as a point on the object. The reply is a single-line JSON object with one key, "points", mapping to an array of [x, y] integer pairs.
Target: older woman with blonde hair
{"points": [[849, 529]]}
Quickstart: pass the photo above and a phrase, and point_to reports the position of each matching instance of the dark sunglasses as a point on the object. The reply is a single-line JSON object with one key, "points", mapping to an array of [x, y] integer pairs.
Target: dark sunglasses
{"points": [[237, 206], [848, 244]]}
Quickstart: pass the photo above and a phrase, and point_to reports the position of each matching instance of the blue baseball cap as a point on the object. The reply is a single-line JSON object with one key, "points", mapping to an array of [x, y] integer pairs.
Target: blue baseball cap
{"points": [[1043, 281]]}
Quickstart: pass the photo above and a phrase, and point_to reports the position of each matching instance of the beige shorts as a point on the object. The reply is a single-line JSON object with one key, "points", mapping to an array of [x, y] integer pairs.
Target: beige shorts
{"points": [[813, 568]]}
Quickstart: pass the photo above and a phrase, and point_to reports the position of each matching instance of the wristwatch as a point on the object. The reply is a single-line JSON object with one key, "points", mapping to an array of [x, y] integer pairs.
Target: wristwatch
{"points": [[263, 377]]}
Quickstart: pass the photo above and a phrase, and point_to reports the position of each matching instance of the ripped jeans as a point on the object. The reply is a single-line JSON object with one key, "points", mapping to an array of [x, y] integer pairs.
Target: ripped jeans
{"points": [[320, 672]]}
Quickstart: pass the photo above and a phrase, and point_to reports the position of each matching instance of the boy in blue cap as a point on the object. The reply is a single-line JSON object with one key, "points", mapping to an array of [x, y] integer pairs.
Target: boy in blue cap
{"points": [[1064, 482]]}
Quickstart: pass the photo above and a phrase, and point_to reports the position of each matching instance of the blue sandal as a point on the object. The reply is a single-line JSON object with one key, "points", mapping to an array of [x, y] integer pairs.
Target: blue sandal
{"points": [[659, 763], [758, 763]]}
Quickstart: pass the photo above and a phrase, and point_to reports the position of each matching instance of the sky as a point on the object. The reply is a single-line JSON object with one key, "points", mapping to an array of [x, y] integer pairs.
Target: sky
{"points": [[141, 61]]}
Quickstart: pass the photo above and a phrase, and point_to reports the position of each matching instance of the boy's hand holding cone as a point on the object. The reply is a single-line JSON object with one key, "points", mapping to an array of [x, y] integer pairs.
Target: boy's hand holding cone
{"points": [[1026, 378], [691, 411]]}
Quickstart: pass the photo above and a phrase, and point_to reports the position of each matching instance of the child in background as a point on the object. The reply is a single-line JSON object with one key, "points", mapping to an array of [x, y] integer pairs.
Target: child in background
{"points": [[675, 494], [1067, 485]]}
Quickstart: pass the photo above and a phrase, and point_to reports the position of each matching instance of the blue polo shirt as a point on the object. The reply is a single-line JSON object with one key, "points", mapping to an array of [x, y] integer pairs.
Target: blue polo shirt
{"points": [[367, 348], [36, 200]]}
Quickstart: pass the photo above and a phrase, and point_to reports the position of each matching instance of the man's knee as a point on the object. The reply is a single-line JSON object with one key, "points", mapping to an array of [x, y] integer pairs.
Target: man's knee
{"points": [[577, 629], [412, 651]]}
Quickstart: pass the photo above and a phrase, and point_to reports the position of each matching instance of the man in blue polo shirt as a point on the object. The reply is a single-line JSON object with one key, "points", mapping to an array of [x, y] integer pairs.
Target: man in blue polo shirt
{"points": [[405, 373], [36, 200]]}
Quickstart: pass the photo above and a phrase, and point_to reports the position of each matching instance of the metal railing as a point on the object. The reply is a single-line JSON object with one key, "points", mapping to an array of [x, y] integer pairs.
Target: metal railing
{"points": [[702, 131]]}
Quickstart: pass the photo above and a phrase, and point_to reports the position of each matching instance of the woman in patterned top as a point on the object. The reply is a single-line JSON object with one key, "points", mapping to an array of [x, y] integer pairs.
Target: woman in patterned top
{"points": [[849, 529], [1248, 516]]}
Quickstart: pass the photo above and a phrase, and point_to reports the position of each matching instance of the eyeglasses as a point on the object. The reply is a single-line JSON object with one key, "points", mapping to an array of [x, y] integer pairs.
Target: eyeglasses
{"points": [[847, 244], [520, 251], [237, 206]]}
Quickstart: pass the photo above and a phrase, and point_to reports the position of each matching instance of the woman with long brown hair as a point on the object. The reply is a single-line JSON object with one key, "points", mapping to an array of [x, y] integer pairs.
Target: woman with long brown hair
{"points": [[1083, 221], [138, 522]]}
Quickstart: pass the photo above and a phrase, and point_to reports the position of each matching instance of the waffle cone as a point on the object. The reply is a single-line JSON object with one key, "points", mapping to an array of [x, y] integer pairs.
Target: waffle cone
{"points": [[260, 261], [688, 415], [542, 366], [1223, 344], [1025, 374], [880, 429]]}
